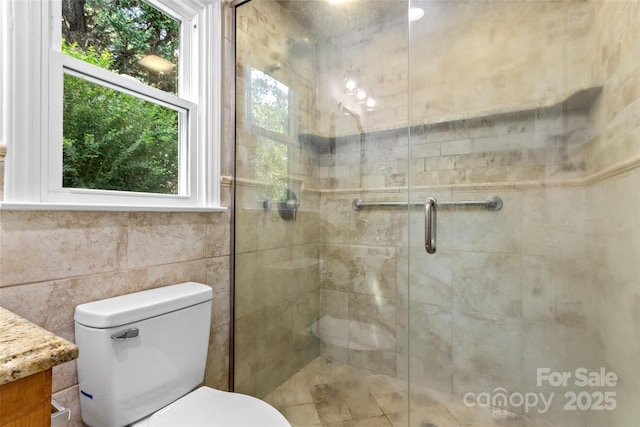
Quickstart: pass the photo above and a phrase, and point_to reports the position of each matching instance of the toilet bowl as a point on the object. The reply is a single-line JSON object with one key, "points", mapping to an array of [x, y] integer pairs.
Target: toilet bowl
{"points": [[210, 407], [142, 357]]}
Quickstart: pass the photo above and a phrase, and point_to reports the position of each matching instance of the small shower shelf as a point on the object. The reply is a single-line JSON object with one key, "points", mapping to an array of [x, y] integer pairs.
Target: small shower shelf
{"points": [[579, 100]]}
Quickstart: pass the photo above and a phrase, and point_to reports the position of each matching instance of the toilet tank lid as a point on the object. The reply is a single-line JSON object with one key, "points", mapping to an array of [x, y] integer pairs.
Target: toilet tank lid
{"points": [[124, 309]]}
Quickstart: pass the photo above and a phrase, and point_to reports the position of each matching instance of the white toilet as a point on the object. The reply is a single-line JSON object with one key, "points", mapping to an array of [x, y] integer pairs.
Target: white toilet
{"points": [[142, 354]]}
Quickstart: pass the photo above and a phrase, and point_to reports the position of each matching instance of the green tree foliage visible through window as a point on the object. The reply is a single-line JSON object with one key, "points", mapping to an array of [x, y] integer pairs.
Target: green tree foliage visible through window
{"points": [[129, 30], [270, 111], [113, 140], [116, 141], [272, 166], [269, 103]]}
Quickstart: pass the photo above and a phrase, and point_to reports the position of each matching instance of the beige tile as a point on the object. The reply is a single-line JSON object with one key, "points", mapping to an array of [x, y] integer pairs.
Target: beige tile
{"points": [[488, 344], [170, 274], [52, 304], [333, 411], [433, 415], [245, 276], [49, 245], [558, 348], [162, 238], [427, 372], [557, 289], [334, 304], [435, 270], [374, 310], [318, 372], [217, 369], [295, 391], [465, 381], [218, 278], [398, 419], [64, 376], [380, 421], [246, 228], [379, 384], [395, 402], [469, 415], [302, 415], [485, 231], [435, 341], [218, 230], [340, 224], [382, 361], [363, 406], [376, 271], [488, 283]]}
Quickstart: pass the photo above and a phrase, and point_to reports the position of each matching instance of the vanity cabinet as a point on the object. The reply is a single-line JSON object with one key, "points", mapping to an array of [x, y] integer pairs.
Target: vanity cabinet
{"points": [[28, 354], [26, 402]]}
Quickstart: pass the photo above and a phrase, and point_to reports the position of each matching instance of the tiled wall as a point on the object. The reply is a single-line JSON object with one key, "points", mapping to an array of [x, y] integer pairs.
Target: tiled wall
{"points": [[614, 246], [52, 261], [463, 59]]}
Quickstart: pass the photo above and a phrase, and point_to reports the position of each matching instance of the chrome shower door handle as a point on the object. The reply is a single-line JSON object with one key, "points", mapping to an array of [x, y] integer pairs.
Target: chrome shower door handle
{"points": [[430, 225]]}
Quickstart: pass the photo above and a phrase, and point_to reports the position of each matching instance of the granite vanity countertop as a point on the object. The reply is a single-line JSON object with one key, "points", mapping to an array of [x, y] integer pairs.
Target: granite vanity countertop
{"points": [[26, 348]]}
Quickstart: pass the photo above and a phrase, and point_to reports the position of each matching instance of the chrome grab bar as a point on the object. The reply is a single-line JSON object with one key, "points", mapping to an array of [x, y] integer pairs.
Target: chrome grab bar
{"points": [[430, 225], [492, 203]]}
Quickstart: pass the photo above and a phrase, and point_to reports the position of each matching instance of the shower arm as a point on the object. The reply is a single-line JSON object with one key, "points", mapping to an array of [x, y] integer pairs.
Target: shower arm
{"points": [[344, 109]]}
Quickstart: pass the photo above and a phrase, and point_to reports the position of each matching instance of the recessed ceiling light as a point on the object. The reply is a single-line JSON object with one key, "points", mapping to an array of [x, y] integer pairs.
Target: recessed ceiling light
{"points": [[350, 87], [371, 104], [361, 96], [415, 13]]}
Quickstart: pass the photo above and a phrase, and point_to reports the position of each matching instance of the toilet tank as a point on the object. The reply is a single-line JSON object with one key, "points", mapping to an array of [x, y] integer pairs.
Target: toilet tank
{"points": [[141, 351]]}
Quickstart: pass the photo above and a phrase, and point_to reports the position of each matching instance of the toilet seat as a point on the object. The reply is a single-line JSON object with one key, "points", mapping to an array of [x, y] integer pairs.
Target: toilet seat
{"points": [[208, 407]]}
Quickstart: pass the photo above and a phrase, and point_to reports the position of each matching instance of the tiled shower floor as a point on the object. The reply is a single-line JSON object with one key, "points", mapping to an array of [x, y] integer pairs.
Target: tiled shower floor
{"points": [[332, 394]]}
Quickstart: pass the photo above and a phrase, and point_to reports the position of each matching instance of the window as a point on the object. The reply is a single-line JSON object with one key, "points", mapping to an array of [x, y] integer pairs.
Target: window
{"points": [[271, 123], [269, 100], [113, 140], [272, 167], [126, 108]]}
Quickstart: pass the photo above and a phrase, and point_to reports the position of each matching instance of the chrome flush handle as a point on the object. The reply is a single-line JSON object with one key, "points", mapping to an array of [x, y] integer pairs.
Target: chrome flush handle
{"points": [[127, 334]]}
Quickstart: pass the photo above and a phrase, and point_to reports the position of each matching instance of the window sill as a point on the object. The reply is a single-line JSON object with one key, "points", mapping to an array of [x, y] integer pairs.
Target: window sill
{"points": [[6, 206]]}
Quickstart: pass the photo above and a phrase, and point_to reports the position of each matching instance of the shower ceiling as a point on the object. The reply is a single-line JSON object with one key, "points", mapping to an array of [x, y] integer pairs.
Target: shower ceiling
{"points": [[335, 19]]}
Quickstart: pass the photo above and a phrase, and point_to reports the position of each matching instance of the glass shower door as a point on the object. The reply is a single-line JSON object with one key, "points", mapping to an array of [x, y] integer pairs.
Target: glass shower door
{"points": [[321, 288], [357, 305], [524, 315]]}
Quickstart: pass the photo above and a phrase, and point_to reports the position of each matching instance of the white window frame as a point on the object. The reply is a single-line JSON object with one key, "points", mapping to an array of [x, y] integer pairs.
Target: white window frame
{"points": [[31, 122]]}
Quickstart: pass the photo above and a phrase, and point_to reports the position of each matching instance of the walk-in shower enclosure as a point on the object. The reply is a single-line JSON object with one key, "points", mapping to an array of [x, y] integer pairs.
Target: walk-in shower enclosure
{"points": [[428, 311]]}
